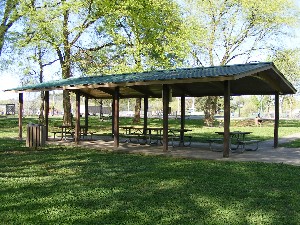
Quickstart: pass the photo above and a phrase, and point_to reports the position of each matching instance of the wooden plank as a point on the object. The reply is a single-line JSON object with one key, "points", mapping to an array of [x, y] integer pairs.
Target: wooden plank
{"points": [[28, 138], [43, 136], [36, 136]]}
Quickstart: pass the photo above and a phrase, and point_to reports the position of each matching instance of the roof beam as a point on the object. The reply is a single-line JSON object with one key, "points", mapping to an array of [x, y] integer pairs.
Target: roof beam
{"points": [[86, 93], [152, 82], [269, 81], [217, 85], [181, 89], [106, 90], [143, 90]]}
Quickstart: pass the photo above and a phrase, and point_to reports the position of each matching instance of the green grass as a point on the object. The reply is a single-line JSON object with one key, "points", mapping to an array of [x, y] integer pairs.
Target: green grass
{"points": [[201, 133], [61, 185], [64, 185]]}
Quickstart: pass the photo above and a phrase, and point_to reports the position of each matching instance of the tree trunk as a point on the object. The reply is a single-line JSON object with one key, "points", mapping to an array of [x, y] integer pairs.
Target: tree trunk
{"points": [[65, 61], [137, 111], [210, 108], [68, 117], [41, 66], [1, 41]]}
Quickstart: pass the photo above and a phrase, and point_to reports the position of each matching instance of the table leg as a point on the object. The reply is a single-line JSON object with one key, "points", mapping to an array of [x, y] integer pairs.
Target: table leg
{"points": [[238, 141]]}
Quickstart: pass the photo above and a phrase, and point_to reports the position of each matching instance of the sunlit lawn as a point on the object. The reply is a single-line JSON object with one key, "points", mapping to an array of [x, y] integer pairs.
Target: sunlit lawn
{"points": [[63, 185], [9, 127]]}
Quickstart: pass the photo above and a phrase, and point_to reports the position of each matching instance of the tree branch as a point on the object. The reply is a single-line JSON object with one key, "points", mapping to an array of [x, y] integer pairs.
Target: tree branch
{"points": [[86, 23], [100, 47], [50, 63]]}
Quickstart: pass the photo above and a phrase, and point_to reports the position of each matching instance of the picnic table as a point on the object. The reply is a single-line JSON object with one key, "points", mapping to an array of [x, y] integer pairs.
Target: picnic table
{"points": [[238, 141], [132, 133], [65, 129], [154, 135], [69, 130], [181, 137]]}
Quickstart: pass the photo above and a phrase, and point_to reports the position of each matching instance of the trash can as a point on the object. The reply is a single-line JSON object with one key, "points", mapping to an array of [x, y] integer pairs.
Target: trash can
{"points": [[36, 135]]}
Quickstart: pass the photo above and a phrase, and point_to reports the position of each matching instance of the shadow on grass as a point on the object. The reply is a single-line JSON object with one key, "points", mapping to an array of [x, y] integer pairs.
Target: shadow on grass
{"points": [[64, 185]]}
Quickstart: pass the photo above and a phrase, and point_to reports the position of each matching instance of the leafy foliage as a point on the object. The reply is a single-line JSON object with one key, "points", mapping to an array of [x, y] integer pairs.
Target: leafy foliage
{"points": [[143, 35], [287, 61], [239, 29], [229, 31]]}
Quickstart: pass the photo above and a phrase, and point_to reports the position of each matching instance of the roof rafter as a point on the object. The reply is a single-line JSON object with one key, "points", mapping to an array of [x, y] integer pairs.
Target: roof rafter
{"points": [[143, 91]]}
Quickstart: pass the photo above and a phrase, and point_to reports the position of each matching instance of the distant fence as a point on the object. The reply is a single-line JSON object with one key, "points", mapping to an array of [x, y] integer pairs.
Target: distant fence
{"points": [[96, 110], [8, 109]]}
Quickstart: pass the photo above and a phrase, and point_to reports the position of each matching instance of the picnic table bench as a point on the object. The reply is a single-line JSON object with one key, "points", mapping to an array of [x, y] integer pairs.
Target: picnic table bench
{"points": [[249, 143], [213, 141]]}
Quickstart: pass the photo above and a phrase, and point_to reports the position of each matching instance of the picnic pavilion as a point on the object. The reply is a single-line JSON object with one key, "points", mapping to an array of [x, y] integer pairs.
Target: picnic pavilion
{"points": [[231, 80]]}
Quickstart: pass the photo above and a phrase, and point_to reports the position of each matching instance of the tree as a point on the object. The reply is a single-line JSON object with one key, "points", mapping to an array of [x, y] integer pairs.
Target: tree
{"points": [[33, 64], [121, 35], [288, 62], [149, 35], [232, 31], [10, 13]]}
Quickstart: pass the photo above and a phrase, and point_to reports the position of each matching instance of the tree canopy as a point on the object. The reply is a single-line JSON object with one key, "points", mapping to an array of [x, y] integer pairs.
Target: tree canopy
{"points": [[97, 36], [239, 30], [236, 31]]}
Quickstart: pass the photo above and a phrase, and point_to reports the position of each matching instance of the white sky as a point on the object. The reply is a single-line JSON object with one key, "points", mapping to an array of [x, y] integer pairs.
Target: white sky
{"points": [[8, 81]]}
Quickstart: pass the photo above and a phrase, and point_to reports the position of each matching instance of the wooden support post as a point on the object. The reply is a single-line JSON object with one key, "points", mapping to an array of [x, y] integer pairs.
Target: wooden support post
{"points": [[112, 117], [46, 100], [116, 117], [77, 123], [276, 122], [20, 115], [226, 119], [86, 114], [182, 117], [145, 114], [165, 116]]}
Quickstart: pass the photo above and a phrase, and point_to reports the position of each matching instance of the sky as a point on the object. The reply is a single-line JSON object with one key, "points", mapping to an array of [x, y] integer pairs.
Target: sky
{"points": [[8, 81]]}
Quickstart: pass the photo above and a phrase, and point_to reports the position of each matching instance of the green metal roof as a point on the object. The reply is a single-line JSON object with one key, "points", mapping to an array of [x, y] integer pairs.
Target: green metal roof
{"points": [[179, 78]]}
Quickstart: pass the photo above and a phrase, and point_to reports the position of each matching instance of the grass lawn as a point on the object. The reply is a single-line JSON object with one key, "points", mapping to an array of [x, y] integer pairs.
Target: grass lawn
{"points": [[201, 133], [60, 185], [63, 185]]}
